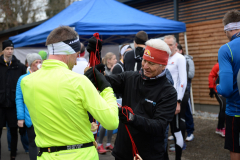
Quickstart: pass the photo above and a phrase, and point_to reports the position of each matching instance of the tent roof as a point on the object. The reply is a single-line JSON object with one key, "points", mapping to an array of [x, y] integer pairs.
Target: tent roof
{"points": [[107, 17]]}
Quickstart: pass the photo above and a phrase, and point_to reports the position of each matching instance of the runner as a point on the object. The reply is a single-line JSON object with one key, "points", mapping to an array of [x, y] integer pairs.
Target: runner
{"points": [[23, 116], [177, 67], [212, 78], [133, 59], [10, 70], [190, 74], [229, 58], [153, 100], [59, 105]]}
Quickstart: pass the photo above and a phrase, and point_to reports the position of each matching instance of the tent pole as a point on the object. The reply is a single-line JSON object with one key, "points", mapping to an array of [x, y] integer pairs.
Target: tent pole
{"points": [[191, 93], [185, 40]]}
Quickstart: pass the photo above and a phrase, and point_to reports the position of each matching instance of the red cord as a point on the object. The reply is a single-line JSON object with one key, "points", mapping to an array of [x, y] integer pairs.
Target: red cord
{"points": [[134, 147], [92, 62], [93, 56]]}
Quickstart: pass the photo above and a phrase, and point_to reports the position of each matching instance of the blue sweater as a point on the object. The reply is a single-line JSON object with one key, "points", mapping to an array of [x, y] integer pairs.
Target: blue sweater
{"points": [[229, 65], [22, 111]]}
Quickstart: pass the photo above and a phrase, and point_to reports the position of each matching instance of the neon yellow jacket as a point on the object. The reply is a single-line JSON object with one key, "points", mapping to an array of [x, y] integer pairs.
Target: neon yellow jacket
{"points": [[59, 100]]}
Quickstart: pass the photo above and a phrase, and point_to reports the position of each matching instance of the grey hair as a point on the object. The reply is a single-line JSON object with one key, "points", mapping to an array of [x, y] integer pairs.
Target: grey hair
{"points": [[170, 36]]}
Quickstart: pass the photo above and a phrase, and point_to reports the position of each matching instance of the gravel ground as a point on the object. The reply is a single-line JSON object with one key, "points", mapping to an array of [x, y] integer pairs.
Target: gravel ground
{"points": [[206, 146]]}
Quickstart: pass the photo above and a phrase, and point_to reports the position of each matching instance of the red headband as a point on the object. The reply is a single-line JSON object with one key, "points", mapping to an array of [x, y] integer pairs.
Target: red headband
{"points": [[81, 54], [155, 55]]}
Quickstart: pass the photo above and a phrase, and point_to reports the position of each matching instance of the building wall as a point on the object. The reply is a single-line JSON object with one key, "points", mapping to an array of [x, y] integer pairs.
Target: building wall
{"points": [[205, 34]]}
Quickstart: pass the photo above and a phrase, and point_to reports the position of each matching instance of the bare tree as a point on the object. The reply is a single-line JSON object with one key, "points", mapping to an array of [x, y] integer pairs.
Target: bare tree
{"points": [[19, 12], [56, 6]]}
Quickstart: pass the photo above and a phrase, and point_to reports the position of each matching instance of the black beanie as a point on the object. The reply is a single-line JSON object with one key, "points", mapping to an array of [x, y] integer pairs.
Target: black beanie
{"points": [[7, 43]]}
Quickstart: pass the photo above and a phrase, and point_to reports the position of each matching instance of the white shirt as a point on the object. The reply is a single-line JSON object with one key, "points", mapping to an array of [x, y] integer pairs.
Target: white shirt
{"points": [[177, 67], [81, 65]]}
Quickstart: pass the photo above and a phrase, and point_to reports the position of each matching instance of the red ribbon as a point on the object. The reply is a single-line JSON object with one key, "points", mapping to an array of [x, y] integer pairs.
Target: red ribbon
{"points": [[134, 147]]}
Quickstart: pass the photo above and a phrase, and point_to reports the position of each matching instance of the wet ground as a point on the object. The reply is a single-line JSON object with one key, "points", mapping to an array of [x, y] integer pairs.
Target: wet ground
{"points": [[206, 146]]}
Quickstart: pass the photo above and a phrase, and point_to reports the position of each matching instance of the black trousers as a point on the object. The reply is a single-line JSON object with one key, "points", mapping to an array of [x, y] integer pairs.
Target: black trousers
{"points": [[33, 151], [14, 140], [178, 125], [222, 104]]}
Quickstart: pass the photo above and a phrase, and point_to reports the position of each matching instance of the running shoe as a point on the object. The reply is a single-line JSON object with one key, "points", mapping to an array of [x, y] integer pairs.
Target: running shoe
{"points": [[101, 150], [172, 145], [217, 131], [222, 132], [170, 138], [172, 149], [110, 147], [190, 138]]}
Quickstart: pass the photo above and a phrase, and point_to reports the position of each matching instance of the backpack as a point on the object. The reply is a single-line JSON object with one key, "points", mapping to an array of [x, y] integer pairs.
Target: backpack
{"points": [[190, 66]]}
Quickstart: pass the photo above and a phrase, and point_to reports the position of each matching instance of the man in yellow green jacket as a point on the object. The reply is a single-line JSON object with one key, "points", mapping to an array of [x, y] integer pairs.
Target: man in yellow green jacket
{"points": [[59, 99]]}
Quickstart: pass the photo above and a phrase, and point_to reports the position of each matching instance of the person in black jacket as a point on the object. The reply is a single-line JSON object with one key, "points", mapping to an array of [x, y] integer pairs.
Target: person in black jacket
{"points": [[10, 70], [153, 100], [133, 59]]}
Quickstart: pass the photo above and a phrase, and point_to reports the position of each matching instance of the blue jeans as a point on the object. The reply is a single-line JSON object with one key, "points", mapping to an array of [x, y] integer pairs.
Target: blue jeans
{"points": [[24, 140]]}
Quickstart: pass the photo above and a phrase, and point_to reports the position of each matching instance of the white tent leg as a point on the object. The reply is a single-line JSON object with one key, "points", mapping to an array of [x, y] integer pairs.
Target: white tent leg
{"points": [[185, 40], [191, 94]]}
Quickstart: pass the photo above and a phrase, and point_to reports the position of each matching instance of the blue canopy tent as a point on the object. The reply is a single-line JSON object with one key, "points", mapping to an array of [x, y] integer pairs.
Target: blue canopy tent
{"points": [[115, 22]]}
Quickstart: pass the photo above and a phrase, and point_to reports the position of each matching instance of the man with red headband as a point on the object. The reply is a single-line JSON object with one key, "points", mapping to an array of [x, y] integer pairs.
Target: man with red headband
{"points": [[153, 100]]}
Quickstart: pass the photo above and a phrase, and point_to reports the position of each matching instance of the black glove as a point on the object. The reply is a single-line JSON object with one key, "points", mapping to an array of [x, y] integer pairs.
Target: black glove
{"points": [[100, 67], [100, 82], [212, 92], [22, 130], [92, 42], [123, 118]]}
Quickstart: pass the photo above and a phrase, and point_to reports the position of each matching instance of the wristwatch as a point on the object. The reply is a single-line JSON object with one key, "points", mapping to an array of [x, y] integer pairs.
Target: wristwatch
{"points": [[179, 101], [131, 117]]}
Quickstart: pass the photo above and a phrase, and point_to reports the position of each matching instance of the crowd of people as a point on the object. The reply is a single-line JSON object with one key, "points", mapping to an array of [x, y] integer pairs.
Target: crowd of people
{"points": [[58, 100]]}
